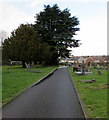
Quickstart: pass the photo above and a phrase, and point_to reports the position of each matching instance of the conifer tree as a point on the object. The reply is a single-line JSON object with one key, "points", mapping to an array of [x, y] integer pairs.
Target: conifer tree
{"points": [[57, 28]]}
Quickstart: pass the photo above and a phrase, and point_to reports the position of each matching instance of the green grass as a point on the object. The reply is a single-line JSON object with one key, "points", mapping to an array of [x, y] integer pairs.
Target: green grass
{"points": [[15, 79], [93, 95]]}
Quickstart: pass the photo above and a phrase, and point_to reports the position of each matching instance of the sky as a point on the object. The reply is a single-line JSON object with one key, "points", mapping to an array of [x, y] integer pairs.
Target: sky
{"points": [[92, 15]]}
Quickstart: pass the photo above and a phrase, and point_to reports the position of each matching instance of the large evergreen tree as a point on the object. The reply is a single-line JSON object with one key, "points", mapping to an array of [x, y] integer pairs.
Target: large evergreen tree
{"points": [[23, 45], [57, 28], [46, 40]]}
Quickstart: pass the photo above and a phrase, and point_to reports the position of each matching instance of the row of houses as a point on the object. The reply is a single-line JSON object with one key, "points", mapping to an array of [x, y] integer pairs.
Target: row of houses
{"points": [[88, 60]]}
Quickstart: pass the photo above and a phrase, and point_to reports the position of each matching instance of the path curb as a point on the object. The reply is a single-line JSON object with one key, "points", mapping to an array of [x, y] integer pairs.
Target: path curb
{"points": [[39, 81], [80, 101]]}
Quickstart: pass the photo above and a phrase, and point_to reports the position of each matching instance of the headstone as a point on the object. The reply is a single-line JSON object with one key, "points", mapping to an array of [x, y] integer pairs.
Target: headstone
{"points": [[75, 69], [99, 72], [87, 81]]}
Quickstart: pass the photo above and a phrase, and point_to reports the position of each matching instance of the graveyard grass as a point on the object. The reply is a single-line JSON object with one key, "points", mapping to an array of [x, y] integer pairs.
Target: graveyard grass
{"points": [[93, 95], [15, 79]]}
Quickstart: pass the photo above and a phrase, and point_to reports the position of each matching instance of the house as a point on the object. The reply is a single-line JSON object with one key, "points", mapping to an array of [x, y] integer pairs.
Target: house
{"points": [[89, 61], [99, 60], [81, 60]]}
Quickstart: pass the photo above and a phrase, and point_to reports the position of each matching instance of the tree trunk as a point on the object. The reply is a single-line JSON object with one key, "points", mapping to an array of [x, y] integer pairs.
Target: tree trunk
{"points": [[23, 64]]}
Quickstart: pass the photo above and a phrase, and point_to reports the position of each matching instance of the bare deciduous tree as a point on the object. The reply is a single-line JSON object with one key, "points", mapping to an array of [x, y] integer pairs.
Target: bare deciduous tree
{"points": [[3, 35]]}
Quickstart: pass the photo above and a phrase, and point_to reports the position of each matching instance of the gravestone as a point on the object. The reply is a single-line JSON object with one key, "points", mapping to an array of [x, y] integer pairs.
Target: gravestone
{"points": [[99, 73], [87, 81]]}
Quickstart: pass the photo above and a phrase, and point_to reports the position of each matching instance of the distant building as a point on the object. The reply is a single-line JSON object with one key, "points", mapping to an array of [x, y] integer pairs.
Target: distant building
{"points": [[88, 60], [81, 60]]}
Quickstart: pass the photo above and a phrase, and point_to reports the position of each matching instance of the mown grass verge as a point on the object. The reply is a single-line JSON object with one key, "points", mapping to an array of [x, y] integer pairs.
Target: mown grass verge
{"points": [[93, 95], [15, 79]]}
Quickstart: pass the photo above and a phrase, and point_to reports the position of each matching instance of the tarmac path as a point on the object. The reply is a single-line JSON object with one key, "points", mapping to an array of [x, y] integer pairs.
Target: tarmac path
{"points": [[55, 97]]}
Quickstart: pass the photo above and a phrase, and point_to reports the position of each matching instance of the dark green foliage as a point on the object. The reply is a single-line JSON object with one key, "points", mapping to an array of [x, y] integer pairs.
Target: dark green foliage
{"points": [[45, 41], [57, 28], [49, 55], [23, 44]]}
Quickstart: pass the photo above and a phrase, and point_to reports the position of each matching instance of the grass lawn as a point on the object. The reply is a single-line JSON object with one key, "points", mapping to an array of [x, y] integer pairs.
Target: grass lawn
{"points": [[15, 79], [93, 95]]}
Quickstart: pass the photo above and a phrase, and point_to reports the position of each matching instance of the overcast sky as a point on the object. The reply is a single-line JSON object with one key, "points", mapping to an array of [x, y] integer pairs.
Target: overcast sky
{"points": [[92, 15]]}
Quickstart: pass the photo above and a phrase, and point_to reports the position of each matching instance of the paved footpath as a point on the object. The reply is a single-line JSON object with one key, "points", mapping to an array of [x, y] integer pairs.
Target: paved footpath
{"points": [[55, 97]]}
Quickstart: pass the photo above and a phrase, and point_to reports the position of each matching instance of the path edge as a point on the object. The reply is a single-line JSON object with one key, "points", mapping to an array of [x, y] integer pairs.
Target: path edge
{"points": [[39, 81], [80, 101]]}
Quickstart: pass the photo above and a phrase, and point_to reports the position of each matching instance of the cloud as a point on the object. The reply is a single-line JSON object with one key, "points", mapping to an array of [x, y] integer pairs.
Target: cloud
{"points": [[12, 18], [54, 1], [36, 3], [94, 0], [93, 36], [92, 30], [15, 1]]}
